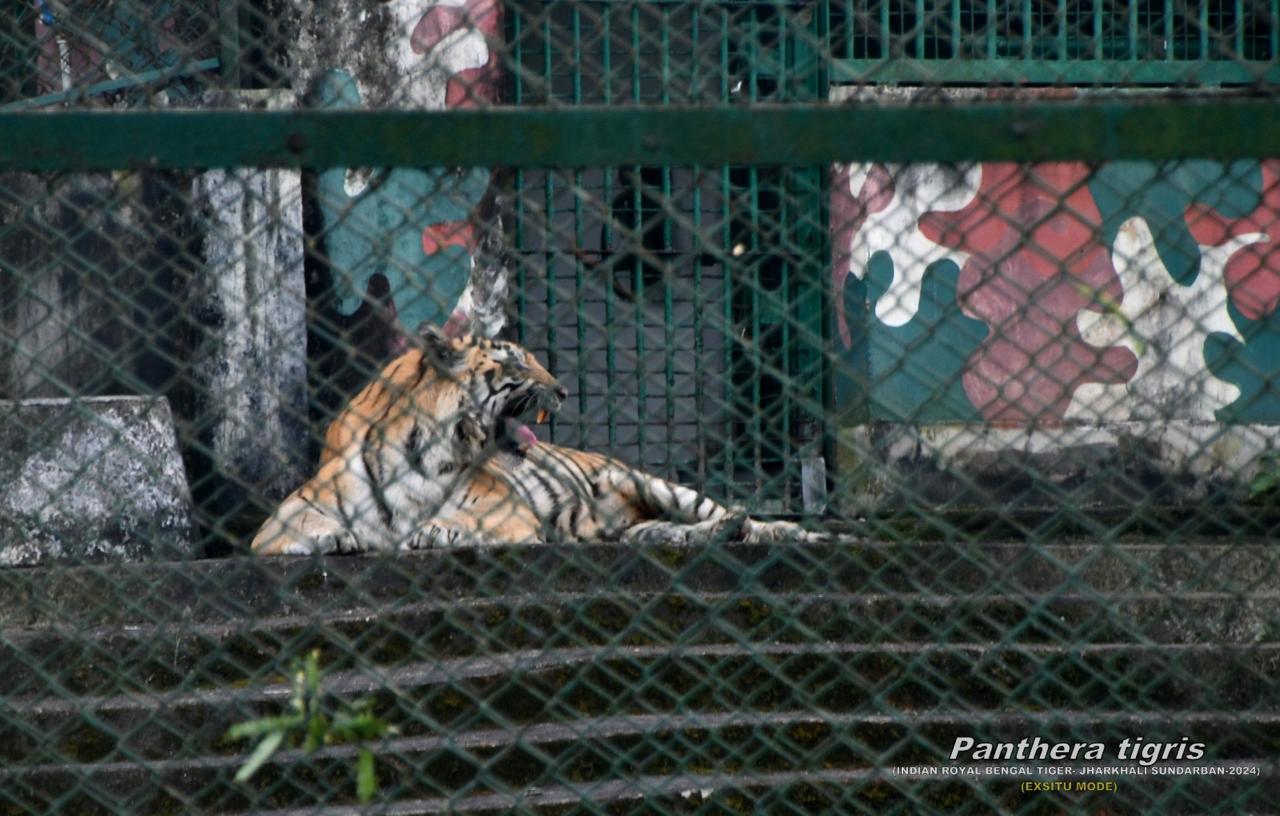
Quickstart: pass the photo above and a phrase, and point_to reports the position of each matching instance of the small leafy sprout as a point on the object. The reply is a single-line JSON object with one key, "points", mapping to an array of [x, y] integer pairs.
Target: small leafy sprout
{"points": [[1111, 307], [313, 725], [1267, 480]]}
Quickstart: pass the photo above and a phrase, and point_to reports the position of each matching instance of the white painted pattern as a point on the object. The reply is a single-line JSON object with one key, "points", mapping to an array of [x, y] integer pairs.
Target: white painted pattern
{"points": [[1165, 325], [917, 189]]}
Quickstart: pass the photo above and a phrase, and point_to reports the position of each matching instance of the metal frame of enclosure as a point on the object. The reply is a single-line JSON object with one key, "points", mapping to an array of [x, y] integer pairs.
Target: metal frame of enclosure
{"points": [[981, 294]]}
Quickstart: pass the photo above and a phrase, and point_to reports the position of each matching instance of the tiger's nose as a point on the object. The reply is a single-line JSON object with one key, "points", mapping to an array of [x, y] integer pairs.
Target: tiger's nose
{"points": [[562, 392]]}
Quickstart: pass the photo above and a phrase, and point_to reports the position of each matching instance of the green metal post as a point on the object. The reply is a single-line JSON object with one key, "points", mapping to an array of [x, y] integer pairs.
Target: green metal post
{"points": [[229, 41]]}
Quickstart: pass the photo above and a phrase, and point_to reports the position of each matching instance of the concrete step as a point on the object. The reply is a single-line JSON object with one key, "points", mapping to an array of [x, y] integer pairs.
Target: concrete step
{"points": [[527, 688], [732, 754], [238, 589], [765, 672]]}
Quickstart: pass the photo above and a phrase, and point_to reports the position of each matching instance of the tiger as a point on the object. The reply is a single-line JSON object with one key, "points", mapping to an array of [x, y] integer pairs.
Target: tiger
{"points": [[436, 452]]}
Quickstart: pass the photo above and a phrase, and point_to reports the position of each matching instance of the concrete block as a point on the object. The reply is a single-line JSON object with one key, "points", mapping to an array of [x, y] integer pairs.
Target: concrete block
{"points": [[91, 480]]}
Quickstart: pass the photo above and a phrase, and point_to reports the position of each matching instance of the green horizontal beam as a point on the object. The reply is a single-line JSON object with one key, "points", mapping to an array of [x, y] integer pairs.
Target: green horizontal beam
{"points": [[1150, 72], [590, 137]]}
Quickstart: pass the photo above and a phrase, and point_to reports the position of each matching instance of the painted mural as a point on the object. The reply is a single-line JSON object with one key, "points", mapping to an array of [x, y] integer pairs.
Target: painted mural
{"points": [[1059, 292], [409, 232]]}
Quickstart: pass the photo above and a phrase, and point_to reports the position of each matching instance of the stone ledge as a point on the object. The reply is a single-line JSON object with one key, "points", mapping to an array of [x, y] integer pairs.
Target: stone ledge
{"points": [[1088, 467]]}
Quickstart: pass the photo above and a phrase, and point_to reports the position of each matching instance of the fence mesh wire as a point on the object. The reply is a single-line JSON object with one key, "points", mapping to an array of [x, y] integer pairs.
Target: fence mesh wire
{"points": [[979, 453]]}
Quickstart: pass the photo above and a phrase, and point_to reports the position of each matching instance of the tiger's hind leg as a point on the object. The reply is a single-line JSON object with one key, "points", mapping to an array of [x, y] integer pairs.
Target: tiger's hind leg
{"points": [[773, 532], [662, 531], [678, 514]]}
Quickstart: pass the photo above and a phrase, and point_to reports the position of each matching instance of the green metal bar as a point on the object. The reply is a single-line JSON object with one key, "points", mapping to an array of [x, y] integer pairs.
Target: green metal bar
{"points": [[579, 282], [886, 49], [1070, 72], [783, 54], [635, 55], [606, 55], [547, 54], [1099, 52], [850, 28], [668, 318], [577, 56], [699, 301], [786, 360], [229, 41], [1133, 31], [595, 137], [816, 64], [1239, 32], [1062, 29], [665, 38], [726, 278], [114, 85], [753, 69], [724, 55], [957, 34], [1203, 30], [1275, 30], [520, 214], [611, 350], [637, 236], [920, 26], [754, 353], [695, 76], [517, 56], [549, 274], [728, 268], [521, 243], [989, 48], [1027, 30], [579, 278]]}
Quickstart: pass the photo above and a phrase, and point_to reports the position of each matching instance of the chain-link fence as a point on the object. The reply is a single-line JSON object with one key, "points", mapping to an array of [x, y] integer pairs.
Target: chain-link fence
{"points": [[957, 320]]}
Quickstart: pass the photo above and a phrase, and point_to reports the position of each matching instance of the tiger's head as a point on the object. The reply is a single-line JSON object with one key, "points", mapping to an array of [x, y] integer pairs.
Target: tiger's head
{"points": [[504, 384]]}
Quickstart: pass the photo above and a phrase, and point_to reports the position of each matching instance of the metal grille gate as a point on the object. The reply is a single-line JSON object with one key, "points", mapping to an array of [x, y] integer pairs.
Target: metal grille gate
{"points": [[1095, 42], [636, 259]]}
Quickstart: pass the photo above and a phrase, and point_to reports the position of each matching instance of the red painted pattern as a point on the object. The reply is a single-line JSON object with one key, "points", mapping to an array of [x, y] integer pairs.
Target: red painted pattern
{"points": [[448, 233], [1253, 273], [1035, 262], [475, 86]]}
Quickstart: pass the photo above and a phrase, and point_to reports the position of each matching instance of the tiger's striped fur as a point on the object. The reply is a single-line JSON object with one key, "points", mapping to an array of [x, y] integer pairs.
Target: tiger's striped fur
{"points": [[432, 453]]}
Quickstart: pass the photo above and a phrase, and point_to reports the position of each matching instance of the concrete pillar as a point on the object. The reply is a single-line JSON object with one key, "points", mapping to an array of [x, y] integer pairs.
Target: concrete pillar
{"points": [[248, 359]]}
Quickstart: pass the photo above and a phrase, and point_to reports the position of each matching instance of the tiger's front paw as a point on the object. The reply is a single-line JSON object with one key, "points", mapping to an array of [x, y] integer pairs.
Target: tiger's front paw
{"points": [[337, 541], [436, 534]]}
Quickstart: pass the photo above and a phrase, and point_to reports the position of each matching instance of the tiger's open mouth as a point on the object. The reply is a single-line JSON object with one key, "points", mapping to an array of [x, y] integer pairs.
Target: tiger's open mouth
{"points": [[510, 430]]}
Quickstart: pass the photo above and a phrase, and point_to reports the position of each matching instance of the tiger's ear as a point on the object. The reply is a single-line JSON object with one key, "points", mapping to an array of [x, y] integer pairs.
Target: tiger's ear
{"points": [[439, 347]]}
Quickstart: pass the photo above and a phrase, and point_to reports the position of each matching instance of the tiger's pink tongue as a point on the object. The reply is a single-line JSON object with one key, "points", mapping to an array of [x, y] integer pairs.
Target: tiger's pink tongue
{"points": [[525, 434]]}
